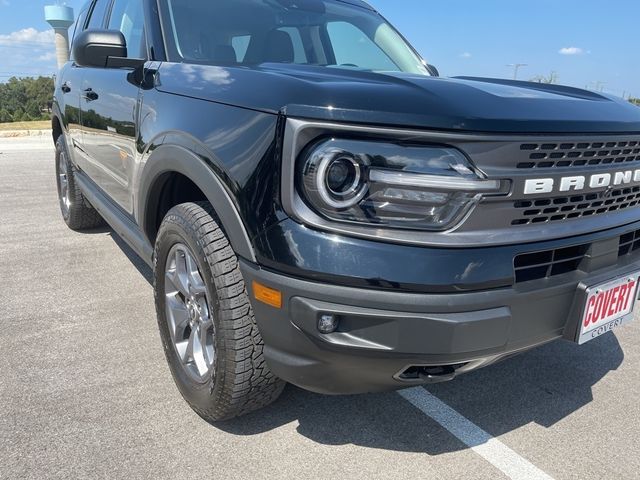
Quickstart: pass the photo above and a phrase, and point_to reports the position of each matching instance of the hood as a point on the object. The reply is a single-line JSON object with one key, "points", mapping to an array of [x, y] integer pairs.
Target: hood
{"points": [[403, 100]]}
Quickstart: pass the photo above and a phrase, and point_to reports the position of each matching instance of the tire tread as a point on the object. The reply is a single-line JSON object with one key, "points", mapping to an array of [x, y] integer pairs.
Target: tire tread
{"points": [[246, 382]]}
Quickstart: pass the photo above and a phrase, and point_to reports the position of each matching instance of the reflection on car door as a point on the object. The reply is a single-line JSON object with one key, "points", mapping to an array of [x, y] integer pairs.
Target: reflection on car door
{"points": [[109, 109], [70, 78], [70, 86]]}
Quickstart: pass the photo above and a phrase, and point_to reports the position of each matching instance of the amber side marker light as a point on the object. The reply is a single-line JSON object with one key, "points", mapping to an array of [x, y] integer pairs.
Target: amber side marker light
{"points": [[267, 295]]}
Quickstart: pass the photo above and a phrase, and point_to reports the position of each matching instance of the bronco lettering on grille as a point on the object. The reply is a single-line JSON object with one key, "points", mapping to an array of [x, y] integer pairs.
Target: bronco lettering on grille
{"points": [[581, 182]]}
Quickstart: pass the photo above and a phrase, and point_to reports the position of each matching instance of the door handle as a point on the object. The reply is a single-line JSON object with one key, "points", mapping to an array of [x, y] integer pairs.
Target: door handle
{"points": [[66, 87], [90, 95]]}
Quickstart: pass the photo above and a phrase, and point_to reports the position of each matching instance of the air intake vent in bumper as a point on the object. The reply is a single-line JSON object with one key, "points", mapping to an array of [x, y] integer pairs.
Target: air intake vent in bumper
{"points": [[537, 265], [549, 263], [629, 242]]}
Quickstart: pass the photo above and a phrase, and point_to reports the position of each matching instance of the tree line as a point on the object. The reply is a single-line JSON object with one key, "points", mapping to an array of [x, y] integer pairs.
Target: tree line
{"points": [[26, 99]]}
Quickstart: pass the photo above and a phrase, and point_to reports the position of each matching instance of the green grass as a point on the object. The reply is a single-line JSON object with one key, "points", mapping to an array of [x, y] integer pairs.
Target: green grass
{"points": [[37, 125]]}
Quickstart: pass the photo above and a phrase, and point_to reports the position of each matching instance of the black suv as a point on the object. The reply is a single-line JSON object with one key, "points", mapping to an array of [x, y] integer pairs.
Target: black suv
{"points": [[320, 208]]}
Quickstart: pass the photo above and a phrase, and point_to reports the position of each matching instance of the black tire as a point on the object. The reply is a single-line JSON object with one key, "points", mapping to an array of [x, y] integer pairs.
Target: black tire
{"points": [[76, 210], [239, 381]]}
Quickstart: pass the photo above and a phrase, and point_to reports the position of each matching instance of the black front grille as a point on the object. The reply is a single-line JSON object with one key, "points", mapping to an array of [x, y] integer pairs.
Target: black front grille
{"points": [[629, 242], [565, 208], [549, 263], [548, 155]]}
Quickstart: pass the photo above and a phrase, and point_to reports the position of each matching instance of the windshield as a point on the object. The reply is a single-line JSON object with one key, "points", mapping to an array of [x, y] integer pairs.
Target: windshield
{"points": [[304, 32]]}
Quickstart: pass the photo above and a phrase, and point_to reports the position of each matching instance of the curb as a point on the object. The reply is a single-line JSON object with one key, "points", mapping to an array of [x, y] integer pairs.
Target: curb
{"points": [[24, 133]]}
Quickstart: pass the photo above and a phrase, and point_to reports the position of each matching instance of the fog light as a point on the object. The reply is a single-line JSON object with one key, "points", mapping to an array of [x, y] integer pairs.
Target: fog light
{"points": [[327, 324]]}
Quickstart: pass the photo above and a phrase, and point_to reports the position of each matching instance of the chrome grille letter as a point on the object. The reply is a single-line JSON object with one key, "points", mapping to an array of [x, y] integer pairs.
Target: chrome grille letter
{"points": [[566, 183], [539, 185]]}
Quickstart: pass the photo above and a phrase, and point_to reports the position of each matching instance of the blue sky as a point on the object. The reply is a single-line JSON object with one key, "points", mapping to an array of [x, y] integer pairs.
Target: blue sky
{"points": [[587, 43]]}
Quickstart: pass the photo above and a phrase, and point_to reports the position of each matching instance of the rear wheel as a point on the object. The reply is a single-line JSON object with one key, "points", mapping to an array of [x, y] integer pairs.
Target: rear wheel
{"points": [[209, 334], [76, 210]]}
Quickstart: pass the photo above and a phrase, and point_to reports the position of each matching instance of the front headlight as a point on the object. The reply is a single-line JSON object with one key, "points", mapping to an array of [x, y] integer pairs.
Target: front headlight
{"points": [[395, 185]]}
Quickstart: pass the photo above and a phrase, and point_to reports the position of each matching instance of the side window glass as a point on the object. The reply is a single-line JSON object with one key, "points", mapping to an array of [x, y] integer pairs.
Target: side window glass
{"points": [[128, 17], [352, 47], [299, 54], [78, 26], [97, 14], [240, 44]]}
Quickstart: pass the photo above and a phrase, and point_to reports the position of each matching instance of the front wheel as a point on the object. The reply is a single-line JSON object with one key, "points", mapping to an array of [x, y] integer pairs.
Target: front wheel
{"points": [[209, 334]]}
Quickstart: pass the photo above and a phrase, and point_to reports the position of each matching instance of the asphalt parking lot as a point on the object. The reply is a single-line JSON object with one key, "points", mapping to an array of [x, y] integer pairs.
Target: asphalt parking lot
{"points": [[85, 391]]}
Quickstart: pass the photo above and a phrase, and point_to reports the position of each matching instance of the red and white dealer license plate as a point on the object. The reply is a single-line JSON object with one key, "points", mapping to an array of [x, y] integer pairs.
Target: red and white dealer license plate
{"points": [[609, 305]]}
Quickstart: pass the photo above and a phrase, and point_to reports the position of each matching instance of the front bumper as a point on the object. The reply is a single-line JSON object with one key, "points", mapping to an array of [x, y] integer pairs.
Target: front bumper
{"points": [[392, 339]]}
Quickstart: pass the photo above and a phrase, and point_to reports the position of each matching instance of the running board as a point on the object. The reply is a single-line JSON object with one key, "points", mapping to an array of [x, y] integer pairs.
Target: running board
{"points": [[119, 222]]}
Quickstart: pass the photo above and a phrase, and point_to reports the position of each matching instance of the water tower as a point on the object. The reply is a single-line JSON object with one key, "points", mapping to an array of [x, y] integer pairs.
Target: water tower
{"points": [[60, 17]]}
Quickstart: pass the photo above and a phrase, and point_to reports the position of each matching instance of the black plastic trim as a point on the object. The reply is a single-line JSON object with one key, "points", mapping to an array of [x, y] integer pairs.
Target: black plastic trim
{"points": [[118, 220], [380, 333], [172, 158]]}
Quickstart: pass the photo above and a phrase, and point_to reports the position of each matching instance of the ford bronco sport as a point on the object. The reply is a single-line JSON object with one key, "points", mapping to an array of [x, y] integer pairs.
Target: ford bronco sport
{"points": [[320, 207]]}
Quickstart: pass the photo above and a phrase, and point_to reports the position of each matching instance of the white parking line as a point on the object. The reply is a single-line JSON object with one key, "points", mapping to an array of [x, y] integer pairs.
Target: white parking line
{"points": [[489, 448]]}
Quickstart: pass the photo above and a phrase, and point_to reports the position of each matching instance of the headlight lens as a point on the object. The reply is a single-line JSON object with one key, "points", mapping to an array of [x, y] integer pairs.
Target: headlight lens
{"points": [[395, 185]]}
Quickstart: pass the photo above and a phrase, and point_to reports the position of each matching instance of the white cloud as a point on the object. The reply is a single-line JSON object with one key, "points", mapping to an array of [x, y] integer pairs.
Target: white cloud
{"points": [[27, 52], [571, 51], [465, 55], [45, 57], [28, 36]]}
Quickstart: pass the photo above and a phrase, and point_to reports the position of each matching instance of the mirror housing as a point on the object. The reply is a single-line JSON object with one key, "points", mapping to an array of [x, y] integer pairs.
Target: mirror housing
{"points": [[103, 49]]}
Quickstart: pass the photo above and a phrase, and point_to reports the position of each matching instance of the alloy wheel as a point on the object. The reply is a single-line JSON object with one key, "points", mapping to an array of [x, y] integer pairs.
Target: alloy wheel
{"points": [[188, 314], [63, 184]]}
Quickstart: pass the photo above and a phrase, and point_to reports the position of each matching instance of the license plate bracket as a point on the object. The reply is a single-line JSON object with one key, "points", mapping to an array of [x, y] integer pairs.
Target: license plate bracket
{"points": [[607, 305]]}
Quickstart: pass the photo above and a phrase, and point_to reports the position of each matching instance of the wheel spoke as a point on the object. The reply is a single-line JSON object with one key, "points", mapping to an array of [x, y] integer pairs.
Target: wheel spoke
{"points": [[63, 182], [204, 311], [204, 334], [191, 345], [181, 349], [200, 351], [179, 317], [196, 284], [179, 277]]}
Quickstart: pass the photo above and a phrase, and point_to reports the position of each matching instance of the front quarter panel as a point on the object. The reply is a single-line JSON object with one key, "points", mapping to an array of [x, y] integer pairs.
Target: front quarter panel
{"points": [[235, 146]]}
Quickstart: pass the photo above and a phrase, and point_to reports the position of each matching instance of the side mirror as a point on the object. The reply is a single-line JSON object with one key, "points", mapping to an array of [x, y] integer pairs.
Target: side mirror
{"points": [[103, 49], [433, 70]]}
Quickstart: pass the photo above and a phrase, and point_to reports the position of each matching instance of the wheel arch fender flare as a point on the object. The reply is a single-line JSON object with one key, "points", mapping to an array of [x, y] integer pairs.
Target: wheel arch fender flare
{"points": [[167, 159], [57, 120]]}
